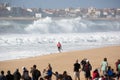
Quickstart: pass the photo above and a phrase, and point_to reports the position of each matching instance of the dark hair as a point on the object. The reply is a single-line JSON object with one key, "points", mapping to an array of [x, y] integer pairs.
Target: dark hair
{"points": [[2, 72], [96, 70], [8, 71], [65, 72], [105, 59], [34, 66]]}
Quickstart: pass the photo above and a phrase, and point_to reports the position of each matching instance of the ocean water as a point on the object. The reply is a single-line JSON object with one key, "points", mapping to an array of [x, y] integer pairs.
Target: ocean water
{"points": [[29, 38]]}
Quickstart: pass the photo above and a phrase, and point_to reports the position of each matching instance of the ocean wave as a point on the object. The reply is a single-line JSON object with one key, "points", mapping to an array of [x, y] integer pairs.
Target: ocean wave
{"points": [[50, 25], [30, 45]]}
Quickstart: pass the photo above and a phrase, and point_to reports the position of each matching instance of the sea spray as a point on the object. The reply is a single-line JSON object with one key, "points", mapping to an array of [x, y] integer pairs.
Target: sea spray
{"points": [[51, 25], [21, 39]]}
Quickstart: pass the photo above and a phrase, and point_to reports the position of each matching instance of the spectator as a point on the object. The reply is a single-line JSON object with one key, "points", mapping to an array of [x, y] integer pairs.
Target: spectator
{"points": [[17, 75], [58, 76], [66, 76], [2, 76], [95, 74], [49, 72], [118, 74], [87, 68], [77, 70], [117, 63], [25, 75], [83, 62], [104, 66], [9, 76], [35, 73]]}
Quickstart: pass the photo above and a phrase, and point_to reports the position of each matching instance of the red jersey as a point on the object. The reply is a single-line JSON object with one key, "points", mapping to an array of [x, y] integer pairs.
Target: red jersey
{"points": [[58, 45]]}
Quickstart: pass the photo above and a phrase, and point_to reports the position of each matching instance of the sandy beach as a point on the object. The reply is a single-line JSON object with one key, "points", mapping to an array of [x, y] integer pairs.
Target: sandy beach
{"points": [[64, 61]]}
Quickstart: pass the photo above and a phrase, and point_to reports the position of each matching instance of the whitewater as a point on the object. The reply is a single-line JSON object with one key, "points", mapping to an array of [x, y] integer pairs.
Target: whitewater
{"points": [[30, 38]]}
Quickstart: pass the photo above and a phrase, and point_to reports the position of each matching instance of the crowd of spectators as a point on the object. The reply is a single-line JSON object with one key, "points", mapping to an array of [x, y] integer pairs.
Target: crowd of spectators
{"points": [[105, 72]]}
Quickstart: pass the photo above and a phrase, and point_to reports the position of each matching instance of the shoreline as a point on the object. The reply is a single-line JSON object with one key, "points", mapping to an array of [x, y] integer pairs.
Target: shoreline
{"points": [[64, 61], [84, 49], [34, 18], [61, 52]]}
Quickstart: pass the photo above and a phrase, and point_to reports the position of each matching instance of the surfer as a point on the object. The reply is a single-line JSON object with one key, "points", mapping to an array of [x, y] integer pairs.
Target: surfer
{"points": [[59, 46]]}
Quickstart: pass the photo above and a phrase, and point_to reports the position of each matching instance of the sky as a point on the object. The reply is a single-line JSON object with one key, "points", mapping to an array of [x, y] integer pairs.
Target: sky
{"points": [[64, 3]]}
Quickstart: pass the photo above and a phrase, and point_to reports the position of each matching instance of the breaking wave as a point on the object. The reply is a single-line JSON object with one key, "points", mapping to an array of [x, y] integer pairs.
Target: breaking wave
{"points": [[31, 38], [50, 25]]}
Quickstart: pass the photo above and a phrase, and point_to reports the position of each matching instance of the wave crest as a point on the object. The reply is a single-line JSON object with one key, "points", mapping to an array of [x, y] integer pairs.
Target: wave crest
{"points": [[74, 25], [52, 25]]}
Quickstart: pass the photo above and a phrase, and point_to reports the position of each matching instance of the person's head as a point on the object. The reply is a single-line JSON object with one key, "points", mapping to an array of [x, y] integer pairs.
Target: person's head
{"points": [[58, 42], [109, 67], [77, 61], [96, 70], [17, 70], [34, 66], [2, 72], [105, 59], [44, 70], [31, 68], [24, 69], [49, 64], [64, 73], [8, 72], [56, 72], [118, 60], [87, 61]]}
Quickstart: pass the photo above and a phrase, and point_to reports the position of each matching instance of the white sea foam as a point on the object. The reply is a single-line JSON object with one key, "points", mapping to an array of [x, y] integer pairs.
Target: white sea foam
{"points": [[75, 25], [21, 39], [21, 46], [50, 25]]}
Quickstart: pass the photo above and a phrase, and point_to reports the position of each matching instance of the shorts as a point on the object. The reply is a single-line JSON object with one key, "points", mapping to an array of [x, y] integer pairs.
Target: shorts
{"points": [[87, 74], [59, 48], [77, 74]]}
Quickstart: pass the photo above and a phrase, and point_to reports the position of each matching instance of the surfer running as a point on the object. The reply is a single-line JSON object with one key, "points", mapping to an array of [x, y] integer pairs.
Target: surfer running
{"points": [[59, 46]]}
